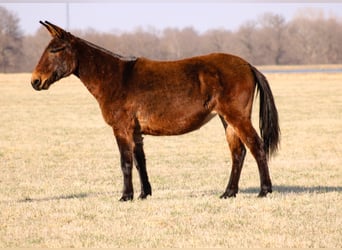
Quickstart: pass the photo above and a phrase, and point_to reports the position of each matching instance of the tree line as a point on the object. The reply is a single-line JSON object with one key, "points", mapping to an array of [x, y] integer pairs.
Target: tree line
{"points": [[309, 38]]}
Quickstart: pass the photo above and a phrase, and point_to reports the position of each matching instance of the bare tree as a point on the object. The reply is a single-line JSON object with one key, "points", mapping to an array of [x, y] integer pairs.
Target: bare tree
{"points": [[32, 49], [333, 41], [246, 39], [10, 41], [309, 38], [315, 39], [271, 39], [176, 43], [139, 43], [218, 40]]}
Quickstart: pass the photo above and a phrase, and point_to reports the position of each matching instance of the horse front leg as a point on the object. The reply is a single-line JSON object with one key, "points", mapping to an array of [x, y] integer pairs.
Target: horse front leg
{"points": [[126, 158], [140, 163]]}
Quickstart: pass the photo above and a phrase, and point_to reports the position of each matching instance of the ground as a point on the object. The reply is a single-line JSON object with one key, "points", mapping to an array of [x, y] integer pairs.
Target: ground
{"points": [[60, 178]]}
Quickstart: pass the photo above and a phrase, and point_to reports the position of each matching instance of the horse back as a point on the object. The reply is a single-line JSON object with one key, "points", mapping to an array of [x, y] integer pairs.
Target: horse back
{"points": [[192, 74]]}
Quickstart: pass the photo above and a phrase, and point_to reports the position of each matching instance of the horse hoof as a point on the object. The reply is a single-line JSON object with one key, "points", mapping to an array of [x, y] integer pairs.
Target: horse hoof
{"points": [[143, 196], [144, 193], [229, 194], [126, 198], [264, 192]]}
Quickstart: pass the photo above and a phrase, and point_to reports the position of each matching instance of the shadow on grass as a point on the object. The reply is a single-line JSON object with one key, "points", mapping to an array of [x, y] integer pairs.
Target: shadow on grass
{"points": [[296, 189], [251, 190], [82, 195]]}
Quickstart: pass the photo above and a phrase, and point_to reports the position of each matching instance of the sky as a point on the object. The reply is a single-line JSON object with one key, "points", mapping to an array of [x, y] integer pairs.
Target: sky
{"points": [[126, 16]]}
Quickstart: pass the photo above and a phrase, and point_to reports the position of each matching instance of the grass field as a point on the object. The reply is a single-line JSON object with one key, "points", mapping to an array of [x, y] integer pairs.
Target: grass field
{"points": [[60, 178]]}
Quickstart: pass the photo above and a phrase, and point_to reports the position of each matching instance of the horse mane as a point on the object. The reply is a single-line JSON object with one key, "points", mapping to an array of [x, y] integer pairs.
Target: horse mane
{"points": [[124, 58]]}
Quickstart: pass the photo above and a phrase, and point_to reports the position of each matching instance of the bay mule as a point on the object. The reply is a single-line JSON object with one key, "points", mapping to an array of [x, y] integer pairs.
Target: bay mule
{"points": [[138, 96]]}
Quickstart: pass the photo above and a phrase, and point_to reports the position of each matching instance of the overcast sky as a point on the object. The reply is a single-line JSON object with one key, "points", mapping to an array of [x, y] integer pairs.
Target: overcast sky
{"points": [[122, 16]]}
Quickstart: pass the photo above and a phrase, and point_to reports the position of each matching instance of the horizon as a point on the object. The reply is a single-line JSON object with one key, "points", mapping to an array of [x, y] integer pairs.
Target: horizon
{"points": [[156, 16]]}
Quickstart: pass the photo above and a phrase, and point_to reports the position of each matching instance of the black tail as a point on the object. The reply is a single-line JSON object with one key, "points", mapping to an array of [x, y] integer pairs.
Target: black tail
{"points": [[268, 114]]}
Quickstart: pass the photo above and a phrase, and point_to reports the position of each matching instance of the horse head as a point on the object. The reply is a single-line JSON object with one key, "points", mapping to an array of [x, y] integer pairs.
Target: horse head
{"points": [[58, 59]]}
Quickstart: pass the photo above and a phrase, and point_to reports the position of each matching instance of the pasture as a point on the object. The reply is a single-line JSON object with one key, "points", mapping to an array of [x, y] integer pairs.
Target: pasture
{"points": [[60, 177]]}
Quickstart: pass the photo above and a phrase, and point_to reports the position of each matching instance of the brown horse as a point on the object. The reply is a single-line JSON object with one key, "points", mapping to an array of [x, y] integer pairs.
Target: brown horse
{"points": [[138, 96]]}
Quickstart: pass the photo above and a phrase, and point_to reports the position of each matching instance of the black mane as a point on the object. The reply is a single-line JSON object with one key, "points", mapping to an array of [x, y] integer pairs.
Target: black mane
{"points": [[124, 58]]}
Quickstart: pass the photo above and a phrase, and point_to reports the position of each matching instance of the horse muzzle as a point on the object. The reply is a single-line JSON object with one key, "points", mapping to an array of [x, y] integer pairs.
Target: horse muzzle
{"points": [[38, 84]]}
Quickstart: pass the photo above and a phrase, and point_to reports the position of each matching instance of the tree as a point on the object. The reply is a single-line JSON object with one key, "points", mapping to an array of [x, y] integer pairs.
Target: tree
{"points": [[32, 49], [271, 39], [315, 39], [246, 39], [309, 38], [218, 40], [10, 41], [139, 43], [176, 43]]}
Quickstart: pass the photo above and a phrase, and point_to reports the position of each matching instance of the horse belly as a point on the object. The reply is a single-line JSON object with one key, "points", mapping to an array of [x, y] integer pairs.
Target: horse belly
{"points": [[175, 124]]}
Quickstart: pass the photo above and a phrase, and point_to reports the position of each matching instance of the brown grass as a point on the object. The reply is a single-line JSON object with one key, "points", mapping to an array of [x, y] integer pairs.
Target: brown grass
{"points": [[60, 178]]}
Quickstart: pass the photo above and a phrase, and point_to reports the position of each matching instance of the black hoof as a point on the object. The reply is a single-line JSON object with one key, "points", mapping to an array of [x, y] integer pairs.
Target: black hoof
{"points": [[144, 194], [126, 198], [264, 192], [229, 194], [146, 191]]}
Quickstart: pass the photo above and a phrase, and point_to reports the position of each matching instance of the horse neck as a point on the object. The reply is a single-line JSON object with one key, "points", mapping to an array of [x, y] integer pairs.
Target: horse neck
{"points": [[99, 70]]}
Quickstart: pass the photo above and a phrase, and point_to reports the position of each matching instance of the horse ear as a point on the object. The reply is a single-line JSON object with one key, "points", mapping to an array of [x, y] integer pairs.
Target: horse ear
{"points": [[54, 30]]}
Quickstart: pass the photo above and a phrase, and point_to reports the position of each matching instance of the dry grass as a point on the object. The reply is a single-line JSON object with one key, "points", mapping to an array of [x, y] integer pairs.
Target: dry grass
{"points": [[60, 178]]}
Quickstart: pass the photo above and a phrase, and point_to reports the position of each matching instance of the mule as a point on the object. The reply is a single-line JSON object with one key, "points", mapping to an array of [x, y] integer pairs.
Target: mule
{"points": [[139, 96]]}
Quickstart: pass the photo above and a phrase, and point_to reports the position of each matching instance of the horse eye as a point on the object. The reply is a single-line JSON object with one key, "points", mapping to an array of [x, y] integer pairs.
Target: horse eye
{"points": [[55, 50]]}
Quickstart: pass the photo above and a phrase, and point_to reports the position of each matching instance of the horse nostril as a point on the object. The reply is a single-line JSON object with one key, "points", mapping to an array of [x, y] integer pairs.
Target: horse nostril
{"points": [[36, 83]]}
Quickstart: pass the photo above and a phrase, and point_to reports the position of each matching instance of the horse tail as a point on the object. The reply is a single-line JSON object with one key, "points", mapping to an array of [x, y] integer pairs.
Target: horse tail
{"points": [[268, 114]]}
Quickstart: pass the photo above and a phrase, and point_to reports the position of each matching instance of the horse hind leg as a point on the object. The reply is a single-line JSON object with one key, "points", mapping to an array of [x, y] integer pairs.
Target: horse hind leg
{"points": [[243, 128], [251, 139], [238, 153]]}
